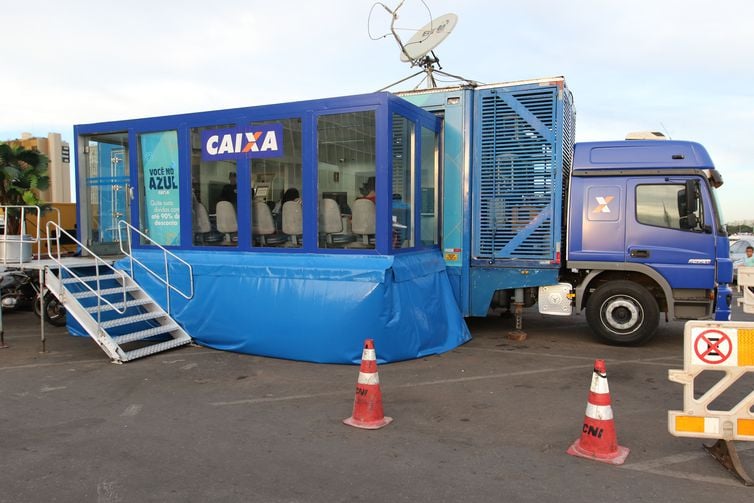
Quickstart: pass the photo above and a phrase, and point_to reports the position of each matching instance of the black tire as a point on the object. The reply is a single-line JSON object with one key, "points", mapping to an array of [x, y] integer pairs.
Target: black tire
{"points": [[623, 313], [55, 313]]}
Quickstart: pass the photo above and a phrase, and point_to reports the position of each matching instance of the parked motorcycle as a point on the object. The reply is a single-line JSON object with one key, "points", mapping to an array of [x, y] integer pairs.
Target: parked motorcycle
{"points": [[20, 290]]}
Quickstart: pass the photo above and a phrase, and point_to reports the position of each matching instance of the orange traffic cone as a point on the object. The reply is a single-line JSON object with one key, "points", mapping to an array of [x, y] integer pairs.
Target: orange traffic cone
{"points": [[598, 440], [367, 406]]}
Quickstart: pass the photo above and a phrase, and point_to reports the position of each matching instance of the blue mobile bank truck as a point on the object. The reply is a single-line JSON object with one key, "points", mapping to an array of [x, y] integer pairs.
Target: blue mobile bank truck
{"points": [[623, 230], [304, 228]]}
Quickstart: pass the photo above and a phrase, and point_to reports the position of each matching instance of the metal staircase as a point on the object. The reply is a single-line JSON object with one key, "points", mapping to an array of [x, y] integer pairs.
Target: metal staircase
{"points": [[110, 305]]}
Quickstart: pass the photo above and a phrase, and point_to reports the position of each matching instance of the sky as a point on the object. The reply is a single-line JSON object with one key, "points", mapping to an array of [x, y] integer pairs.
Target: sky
{"points": [[681, 67]]}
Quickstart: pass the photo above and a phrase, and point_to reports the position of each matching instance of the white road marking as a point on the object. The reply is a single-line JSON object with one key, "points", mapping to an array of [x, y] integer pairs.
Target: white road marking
{"points": [[678, 458], [276, 399], [189, 366], [653, 466], [47, 389], [132, 410], [409, 385], [102, 360], [643, 361]]}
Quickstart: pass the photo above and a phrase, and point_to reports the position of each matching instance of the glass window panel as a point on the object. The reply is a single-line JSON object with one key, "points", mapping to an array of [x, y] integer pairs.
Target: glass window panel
{"points": [[429, 184], [160, 206], [662, 206], [276, 181], [346, 187], [214, 188], [106, 193], [403, 183]]}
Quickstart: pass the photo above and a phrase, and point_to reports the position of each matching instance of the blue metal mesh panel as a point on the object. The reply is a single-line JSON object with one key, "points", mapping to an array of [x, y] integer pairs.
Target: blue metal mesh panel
{"points": [[568, 120], [519, 173]]}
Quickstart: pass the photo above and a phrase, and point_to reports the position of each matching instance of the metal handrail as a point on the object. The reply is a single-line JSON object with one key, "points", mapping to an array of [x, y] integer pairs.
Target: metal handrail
{"points": [[165, 254], [22, 232], [58, 260]]}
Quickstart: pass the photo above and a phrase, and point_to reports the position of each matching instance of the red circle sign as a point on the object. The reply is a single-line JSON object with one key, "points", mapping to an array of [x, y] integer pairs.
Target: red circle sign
{"points": [[713, 346]]}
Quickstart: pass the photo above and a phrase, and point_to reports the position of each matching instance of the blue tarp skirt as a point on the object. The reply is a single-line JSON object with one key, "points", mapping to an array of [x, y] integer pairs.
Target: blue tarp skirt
{"points": [[311, 307]]}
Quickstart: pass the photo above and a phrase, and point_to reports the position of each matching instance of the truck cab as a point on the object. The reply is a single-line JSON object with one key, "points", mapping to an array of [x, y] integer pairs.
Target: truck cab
{"points": [[645, 236]]}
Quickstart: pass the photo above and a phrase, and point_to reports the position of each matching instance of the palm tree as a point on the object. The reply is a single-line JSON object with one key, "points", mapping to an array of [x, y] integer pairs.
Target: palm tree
{"points": [[23, 173]]}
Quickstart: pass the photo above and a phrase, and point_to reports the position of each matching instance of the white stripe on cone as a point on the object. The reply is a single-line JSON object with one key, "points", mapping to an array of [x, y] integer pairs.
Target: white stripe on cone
{"points": [[369, 354], [369, 378], [599, 412], [599, 384]]}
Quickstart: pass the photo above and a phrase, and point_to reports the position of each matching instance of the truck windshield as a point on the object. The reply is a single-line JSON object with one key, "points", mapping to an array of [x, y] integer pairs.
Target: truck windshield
{"points": [[721, 230]]}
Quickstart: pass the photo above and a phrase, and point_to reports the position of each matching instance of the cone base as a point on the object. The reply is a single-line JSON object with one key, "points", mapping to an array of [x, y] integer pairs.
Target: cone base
{"points": [[368, 425], [614, 458]]}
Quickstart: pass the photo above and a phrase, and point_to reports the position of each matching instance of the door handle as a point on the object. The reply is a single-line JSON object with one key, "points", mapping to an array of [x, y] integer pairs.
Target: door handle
{"points": [[640, 253]]}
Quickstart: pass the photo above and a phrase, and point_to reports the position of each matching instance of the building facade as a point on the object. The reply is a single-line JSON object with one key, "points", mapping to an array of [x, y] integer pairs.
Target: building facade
{"points": [[59, 167]]}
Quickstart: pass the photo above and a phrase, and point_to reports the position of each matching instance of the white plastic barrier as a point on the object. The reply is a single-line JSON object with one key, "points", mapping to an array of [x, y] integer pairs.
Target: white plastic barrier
{"points": [[746, 286], [726, 346]]}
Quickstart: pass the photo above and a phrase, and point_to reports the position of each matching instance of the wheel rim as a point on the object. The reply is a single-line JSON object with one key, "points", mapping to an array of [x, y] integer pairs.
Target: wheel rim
{"points": [[621, 314]]}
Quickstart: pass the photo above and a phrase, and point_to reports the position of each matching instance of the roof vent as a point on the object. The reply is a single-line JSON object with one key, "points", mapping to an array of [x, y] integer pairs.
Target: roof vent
{"points": [[646, 135]]}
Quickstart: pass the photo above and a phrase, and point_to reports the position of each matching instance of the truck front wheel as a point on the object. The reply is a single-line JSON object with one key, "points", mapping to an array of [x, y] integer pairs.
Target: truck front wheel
{"points": [[622, 313]]}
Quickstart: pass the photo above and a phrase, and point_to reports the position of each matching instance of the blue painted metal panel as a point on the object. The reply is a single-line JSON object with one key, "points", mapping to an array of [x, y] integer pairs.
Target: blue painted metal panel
{"points": [[640, 154], [455, 106], [685, 258], [533, 122], [486, 280], [724, 263], [723, 299], [522, 135], [597, 220]]}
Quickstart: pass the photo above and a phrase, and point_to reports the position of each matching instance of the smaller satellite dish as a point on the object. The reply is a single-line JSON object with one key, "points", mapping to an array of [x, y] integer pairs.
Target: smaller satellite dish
{"points": [[428, 37]]}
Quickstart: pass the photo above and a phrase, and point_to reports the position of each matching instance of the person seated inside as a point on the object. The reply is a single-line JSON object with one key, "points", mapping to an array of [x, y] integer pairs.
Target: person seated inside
{"points": [[230, 190], [291, 194], [368, 189]]}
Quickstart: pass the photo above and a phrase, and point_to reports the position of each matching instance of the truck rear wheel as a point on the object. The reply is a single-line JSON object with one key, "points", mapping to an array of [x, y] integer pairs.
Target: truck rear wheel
{"points": [[622, 313]]}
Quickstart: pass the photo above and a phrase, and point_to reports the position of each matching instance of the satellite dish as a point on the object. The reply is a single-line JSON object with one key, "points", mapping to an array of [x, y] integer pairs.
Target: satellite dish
{"points": [[428, 37], [419, 50]]}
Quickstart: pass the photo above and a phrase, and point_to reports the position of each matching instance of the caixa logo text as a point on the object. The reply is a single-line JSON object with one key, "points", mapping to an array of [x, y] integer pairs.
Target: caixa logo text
{"points": [[242, 143]]}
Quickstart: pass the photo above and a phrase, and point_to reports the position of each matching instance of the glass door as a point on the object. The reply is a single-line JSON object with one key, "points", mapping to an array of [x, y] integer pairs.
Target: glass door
{"points": [[108, 190]]}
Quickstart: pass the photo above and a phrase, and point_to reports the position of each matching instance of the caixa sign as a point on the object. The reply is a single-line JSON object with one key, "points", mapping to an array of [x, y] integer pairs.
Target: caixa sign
{"points": [[242, 143]]}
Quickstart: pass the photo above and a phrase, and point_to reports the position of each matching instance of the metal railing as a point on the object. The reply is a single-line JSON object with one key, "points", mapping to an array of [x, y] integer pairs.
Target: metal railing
{"points": [[165, 254], [57, 258]]}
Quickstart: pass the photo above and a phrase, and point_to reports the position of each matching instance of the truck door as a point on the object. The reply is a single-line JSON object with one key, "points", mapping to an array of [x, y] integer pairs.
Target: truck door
{"points": [[669, 231]]}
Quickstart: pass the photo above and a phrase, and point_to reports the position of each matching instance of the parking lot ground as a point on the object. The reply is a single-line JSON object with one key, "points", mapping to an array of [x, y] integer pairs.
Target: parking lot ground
{"points": [[488, 421]]}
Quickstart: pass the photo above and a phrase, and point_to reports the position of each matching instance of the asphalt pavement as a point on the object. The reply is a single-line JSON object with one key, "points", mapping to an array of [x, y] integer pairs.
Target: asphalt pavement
{"points": [[488, 421]]}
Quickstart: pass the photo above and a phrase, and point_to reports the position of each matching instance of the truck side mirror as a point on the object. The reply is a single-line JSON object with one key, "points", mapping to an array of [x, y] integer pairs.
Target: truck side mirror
{"points": [[691, 221], [692, 197]]}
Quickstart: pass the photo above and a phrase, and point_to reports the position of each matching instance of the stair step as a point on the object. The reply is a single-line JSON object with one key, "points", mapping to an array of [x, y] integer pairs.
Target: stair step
{"points": [[144, 334], [156, 348], [127, 320], [119, 305], [106, 291], [91, 279]]}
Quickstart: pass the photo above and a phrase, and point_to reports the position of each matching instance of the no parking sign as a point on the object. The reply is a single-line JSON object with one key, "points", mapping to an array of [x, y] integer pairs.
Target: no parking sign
{"points": [[714, 347]]}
